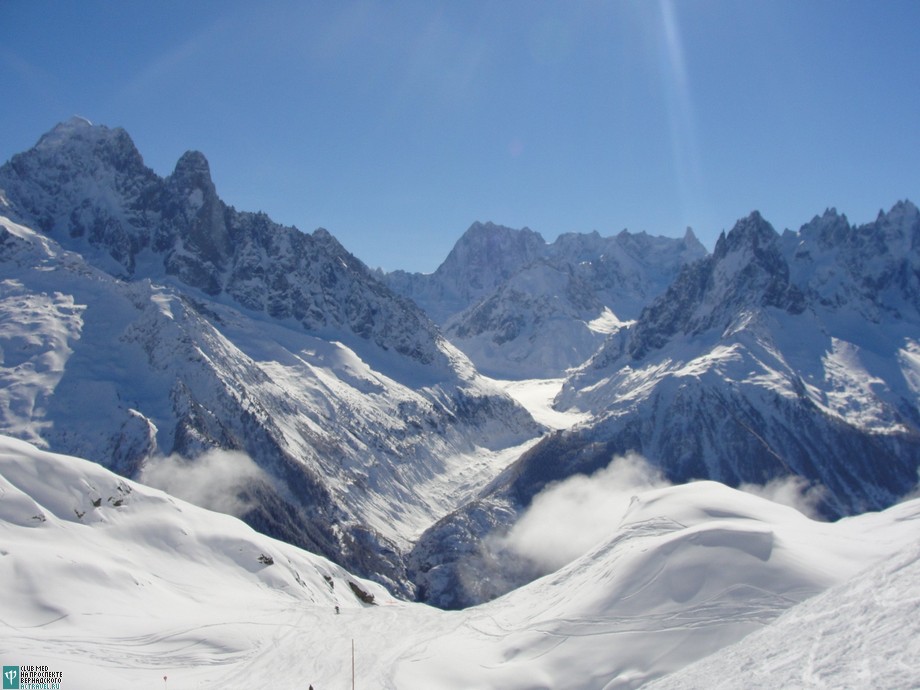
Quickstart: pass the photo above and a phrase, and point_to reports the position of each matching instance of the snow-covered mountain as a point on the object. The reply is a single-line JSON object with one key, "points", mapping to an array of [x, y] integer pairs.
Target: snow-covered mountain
{"points": [[144, 323], [794, 355], [266, 372], [798, 353], [113, 584], [522, 308], [485, 256], [87, 188]]}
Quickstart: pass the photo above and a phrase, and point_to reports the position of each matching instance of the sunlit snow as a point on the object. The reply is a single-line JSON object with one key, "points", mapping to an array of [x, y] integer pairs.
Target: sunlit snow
{"points": [[118, 585]]}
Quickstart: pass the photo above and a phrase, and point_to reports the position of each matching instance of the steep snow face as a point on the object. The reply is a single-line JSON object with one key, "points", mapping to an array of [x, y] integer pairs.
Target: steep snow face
{"points": [[113, 583], [190, 326], [538, 309], [348, 435]]}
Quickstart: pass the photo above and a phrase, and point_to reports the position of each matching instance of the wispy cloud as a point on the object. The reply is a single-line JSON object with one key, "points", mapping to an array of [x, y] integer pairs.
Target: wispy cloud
{"points": [[570, 517], [793, 491], [214, 480]]}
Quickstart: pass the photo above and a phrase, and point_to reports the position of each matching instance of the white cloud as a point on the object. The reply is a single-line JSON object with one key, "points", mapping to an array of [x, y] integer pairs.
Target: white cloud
{"points": [[793, 491], [213, 480], [570, 517]]}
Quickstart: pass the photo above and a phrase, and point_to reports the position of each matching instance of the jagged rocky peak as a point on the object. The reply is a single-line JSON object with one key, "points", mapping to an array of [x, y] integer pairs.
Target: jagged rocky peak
{"points": [[894, 232], [752, 232], [829, 229], [75, 127], [190, 192], [749, 265], [70, 156], [488, 253], [326, 239], [190, 203], [844, 266], [192, 172], [900, 227], [903, 209], [87, 186], [747, 269], [78, 142]]}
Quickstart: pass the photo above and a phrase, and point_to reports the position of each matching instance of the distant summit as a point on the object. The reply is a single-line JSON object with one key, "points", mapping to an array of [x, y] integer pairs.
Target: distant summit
{"points": [[522, 308]]}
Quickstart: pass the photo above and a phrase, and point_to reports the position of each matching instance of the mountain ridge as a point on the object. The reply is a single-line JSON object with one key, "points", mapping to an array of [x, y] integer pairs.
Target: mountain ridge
{"points": [[197, 327], [522, 308]]}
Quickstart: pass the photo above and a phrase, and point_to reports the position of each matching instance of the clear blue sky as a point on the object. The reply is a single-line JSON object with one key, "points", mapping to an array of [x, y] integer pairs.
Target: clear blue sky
{"points": [[397, 124]]}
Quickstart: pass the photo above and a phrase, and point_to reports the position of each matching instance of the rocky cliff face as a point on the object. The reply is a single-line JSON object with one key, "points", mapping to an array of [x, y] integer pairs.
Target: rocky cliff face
{"points": [[86, 187], [150, 321]]}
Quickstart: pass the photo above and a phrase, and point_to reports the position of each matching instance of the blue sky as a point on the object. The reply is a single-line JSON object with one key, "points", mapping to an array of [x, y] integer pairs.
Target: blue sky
{"points": [[395, 125]]}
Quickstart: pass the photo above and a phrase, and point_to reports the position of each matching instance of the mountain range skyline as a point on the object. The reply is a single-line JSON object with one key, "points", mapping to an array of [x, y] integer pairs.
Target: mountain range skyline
{"points": [[399, 126]]}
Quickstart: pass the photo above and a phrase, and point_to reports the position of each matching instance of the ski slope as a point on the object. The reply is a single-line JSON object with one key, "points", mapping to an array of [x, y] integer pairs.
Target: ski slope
{"points": [[118, 585]]}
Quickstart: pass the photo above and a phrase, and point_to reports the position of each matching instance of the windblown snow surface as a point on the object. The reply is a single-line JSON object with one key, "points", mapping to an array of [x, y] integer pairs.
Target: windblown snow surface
{"points": [[117, 585]]}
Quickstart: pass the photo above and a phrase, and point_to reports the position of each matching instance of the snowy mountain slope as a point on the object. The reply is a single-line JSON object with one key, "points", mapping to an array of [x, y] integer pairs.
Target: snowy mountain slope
{"points": [[112, 582], [863, 633], [521, 308], [116, 584], [356, 462], [771, 358], [758, 349], [242, 335], [689, 570], [86, 187]]}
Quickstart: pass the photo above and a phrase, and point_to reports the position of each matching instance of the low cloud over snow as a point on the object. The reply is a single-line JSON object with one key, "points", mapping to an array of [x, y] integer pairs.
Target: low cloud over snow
{"points": [[213, 480], [570, 517], [793, 491]]}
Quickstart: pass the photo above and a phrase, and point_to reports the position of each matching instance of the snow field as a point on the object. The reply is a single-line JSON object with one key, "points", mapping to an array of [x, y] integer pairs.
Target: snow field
{"points": [[143, 585]]}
